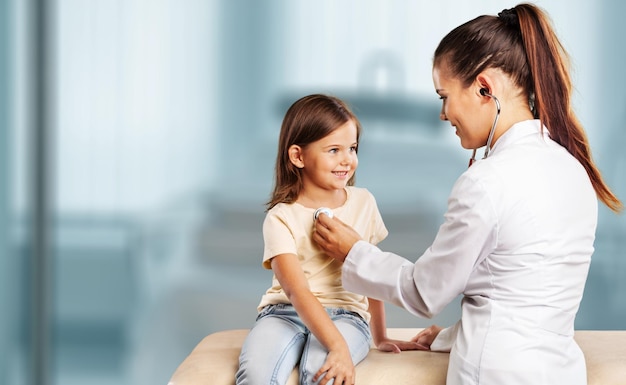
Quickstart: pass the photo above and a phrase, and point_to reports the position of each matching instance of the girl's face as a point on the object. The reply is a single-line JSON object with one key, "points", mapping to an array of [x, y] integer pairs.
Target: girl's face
{"points": [[460, 106], [329, 163]]}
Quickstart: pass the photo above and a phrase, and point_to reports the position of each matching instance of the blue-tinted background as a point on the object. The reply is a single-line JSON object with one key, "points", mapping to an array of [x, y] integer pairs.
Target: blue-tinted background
{"points": [[137, 141]]}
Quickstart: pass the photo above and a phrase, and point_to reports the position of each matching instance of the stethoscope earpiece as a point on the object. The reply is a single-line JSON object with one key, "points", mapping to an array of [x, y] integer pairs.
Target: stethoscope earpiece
{"points": [[485, 92]]}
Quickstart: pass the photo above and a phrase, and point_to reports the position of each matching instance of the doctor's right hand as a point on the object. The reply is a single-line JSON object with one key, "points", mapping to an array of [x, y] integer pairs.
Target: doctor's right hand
{"points": [[334, 237]]}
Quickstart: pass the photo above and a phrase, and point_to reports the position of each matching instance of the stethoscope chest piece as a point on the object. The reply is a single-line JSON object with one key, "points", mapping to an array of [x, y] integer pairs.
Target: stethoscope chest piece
{"points": [[324, 210]]}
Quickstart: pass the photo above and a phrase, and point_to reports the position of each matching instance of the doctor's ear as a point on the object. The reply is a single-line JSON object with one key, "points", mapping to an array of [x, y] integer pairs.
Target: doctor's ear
{"points": [[295, 155], [483, 84]]}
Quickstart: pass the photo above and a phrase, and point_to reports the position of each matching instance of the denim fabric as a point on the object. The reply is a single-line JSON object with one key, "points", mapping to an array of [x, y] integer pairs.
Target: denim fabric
{"points": [[279, 340]]}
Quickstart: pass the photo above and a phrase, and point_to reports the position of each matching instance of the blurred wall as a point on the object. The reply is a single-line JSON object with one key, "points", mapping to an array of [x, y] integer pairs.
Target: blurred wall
{"points": [[602, 307], [6, 303]]}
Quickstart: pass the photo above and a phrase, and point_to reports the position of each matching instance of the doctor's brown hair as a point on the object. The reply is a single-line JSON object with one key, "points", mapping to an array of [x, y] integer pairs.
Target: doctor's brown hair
{"points": [[522, 43], [308, 120]]}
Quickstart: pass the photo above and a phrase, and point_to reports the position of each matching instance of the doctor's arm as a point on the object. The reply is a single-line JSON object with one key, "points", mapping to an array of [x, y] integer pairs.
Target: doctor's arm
{"points": [[367, 269], [424, 288]]}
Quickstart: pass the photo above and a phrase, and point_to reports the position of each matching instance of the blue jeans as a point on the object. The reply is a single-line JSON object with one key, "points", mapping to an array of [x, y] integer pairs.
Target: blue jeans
{"points": [[279, 341]]}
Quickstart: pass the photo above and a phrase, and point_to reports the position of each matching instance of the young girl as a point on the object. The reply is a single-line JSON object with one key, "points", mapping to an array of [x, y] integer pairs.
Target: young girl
{"points": [[307, 317]]}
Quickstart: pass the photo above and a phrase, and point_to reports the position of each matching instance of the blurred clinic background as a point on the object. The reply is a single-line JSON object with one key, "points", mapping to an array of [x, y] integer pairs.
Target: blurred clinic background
{"points": [[137, 143]]}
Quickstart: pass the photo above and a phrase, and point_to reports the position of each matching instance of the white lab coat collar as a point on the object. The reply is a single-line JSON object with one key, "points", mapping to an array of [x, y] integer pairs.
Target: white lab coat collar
{"points": [[518, 131]]}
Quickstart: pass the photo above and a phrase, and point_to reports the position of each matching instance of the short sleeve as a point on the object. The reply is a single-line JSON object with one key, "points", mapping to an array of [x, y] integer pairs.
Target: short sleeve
{"points": [[277, 237]]}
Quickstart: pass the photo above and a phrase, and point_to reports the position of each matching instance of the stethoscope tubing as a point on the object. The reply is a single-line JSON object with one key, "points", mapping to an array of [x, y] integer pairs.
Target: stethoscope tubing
{"points": [[491, 132]]}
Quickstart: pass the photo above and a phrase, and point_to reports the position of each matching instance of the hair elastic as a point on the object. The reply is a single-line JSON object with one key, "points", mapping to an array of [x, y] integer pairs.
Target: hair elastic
{"points": [[509, 17]]}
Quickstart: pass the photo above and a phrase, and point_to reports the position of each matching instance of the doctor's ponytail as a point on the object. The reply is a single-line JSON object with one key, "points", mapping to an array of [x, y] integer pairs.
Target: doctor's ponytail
{"points": [[552, 89], [521, 42]]}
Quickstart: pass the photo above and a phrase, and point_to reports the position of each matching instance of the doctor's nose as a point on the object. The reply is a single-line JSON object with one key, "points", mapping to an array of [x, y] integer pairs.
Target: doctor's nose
{"points": [[442, 116]]}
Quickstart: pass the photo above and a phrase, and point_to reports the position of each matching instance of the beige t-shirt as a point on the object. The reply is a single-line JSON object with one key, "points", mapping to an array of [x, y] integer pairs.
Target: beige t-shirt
{"points": [[287, 229]]}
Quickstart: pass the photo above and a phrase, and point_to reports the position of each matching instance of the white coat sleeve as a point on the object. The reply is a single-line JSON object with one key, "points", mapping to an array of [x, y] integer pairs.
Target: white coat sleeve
{"points": [[377, 274], [424, 288], [445, 339]]}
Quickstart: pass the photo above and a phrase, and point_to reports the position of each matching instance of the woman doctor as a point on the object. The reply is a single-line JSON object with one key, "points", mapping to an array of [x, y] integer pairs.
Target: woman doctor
{"points": [[518, 233]]}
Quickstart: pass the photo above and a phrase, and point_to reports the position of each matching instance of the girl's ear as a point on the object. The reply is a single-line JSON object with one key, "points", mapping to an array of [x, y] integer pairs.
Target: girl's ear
{"points": [[295, 155]]}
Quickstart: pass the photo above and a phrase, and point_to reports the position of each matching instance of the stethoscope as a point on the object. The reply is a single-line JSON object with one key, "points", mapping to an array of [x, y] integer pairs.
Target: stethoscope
{"points": [[485, 92]]}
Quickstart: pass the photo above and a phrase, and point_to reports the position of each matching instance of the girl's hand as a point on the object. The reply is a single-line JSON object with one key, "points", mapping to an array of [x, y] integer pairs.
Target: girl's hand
{"points": [[338, 365], [427, 336], [396, 346]]}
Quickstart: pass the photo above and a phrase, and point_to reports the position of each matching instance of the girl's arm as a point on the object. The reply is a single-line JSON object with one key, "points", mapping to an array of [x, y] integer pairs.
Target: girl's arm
{"points": [[338, 363], [378, 327]]}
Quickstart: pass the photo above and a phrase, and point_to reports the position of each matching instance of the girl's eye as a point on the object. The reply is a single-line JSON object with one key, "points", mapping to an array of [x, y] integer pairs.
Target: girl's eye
{"points": [[333, 150], [353, 148]]}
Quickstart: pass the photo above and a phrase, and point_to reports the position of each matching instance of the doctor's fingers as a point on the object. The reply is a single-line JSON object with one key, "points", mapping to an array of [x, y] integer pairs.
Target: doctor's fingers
{"points": [[325, 221], [326, 230], [337, 230], [427, 336], [320, 236]]}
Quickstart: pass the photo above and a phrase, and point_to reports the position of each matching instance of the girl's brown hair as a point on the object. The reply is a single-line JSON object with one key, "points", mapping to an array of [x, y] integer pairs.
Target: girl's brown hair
{"points": [[308, 120], [521, 42]]}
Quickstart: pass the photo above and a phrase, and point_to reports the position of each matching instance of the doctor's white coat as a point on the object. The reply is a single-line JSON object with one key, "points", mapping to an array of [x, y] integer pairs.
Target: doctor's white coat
{"points": [[516, 241]]}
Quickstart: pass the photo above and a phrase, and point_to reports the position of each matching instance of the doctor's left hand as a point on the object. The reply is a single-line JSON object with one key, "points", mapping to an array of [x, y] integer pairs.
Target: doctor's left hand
{"points": [[334, 237]]}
